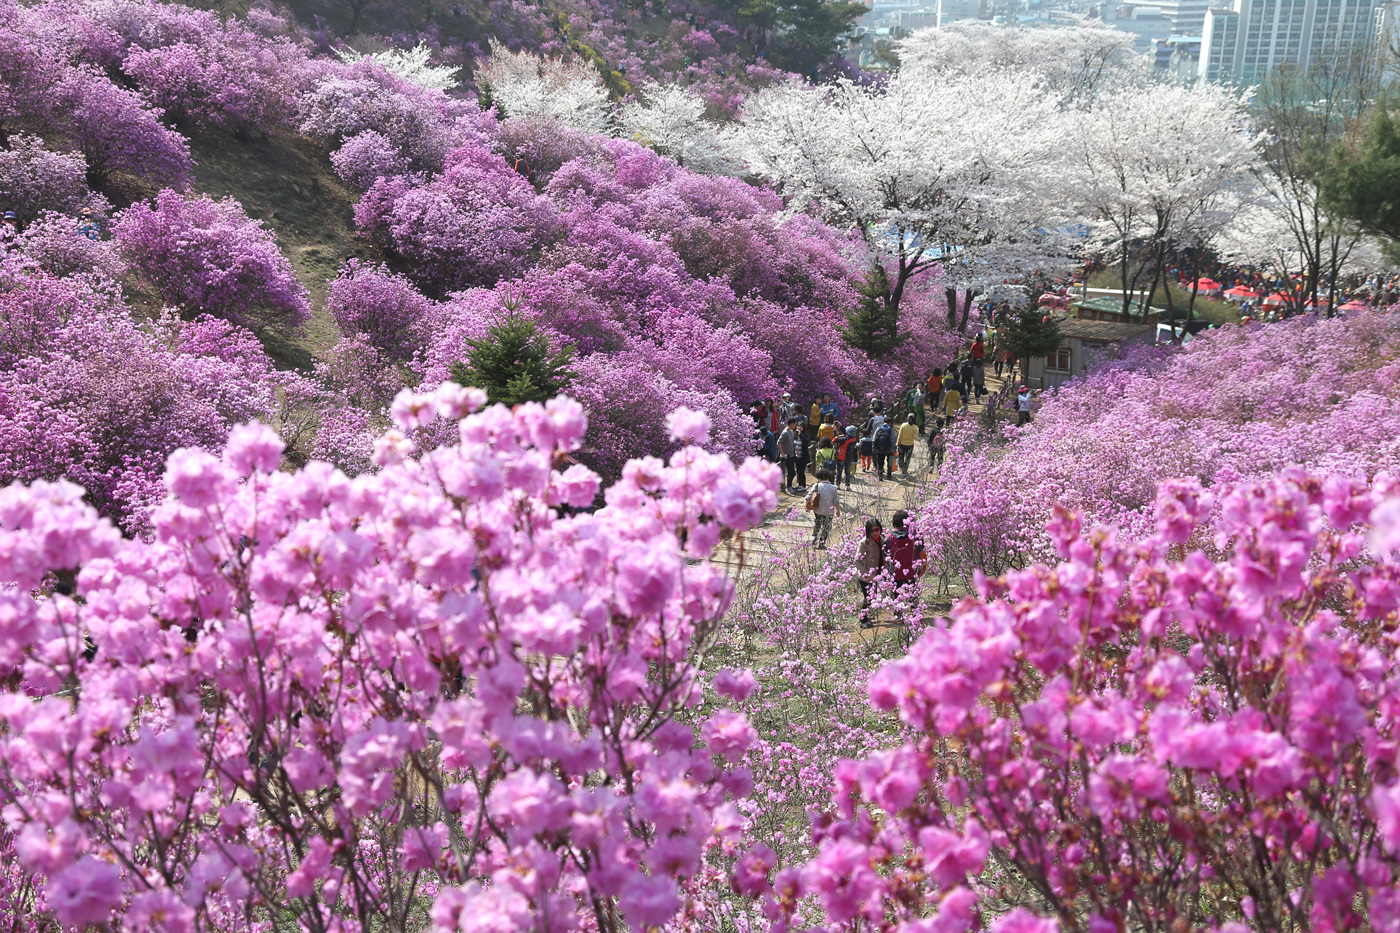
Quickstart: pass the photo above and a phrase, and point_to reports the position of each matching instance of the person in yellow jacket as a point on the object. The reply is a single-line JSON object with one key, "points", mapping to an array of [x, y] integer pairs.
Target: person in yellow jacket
{"points": [[814, 420], [908, 436]]}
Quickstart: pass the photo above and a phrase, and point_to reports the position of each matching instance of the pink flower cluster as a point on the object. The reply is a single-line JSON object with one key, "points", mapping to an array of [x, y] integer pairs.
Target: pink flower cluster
{"points": [[1138, 735], [351, 699]]}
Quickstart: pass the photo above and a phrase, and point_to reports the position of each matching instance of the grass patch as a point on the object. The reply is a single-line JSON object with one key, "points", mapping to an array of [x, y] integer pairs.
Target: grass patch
{"points": [[287, 181]]}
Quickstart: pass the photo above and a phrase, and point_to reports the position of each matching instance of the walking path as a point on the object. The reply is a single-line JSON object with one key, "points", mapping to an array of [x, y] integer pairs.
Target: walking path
{"points": [[790, 526]]}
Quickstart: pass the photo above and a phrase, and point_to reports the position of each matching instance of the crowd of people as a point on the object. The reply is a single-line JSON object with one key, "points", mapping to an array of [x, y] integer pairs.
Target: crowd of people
{"points": [[813, 438]]}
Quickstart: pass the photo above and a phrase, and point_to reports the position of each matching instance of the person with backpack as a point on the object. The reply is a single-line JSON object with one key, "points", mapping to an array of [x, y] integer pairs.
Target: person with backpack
{"points": [[825, 501], [908, 434], [883, 445], [904, 554], [847, 447], [937, 445], [867, 449], [824, 457], [870, 561]]}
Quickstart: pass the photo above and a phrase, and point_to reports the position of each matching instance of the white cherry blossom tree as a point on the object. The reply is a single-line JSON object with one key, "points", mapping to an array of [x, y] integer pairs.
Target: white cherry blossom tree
{"points": [[528, 86]]}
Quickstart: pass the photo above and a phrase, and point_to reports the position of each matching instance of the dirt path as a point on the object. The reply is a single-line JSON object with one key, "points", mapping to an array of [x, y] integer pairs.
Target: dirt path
{"points": [[790, 525]]}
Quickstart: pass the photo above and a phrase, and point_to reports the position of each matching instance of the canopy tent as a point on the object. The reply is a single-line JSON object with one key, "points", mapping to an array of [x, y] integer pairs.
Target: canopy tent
{"points": [[1207, 286], [1352, 306], [1242, 292], [1276, 299]]}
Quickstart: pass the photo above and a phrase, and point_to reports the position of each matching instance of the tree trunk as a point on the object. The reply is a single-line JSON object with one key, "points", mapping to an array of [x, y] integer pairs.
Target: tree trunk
{"points": [[950, 296], [966, 309]]}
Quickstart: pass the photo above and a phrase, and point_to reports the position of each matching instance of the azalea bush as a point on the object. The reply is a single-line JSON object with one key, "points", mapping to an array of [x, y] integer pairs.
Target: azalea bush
{"points": [[427, 697], [34, 179], [370, 300], [90, 396], [209, 256], [1191, 731], [1240, 402]]}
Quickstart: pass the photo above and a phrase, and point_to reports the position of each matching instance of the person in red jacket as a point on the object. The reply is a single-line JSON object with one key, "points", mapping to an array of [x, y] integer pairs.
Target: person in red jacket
{"points": [[905, 557], [979, 349]]}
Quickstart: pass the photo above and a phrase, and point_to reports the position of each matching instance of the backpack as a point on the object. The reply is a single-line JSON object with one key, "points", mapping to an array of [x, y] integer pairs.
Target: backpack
{"points": [[884, 438], [842, 452], [904, 556]]}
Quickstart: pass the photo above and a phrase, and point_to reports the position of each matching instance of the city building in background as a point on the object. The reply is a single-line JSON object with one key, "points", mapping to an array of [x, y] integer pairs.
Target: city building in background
{"points": [[1243, 41]]}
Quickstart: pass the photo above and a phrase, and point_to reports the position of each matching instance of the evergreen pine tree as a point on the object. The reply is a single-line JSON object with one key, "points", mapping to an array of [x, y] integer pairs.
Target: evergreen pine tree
{"points": [[873, 324], [1032, 332], [514, 363]]}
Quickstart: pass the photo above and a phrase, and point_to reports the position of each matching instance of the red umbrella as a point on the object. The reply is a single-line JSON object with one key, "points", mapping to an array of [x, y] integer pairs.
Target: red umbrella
{"points": [[1277, 298], [1242, 292], [1207, 285]]}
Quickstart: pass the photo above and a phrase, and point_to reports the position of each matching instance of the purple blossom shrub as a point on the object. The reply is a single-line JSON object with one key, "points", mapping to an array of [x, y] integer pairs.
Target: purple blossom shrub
{"points": [[117, 133], [425, 126], [542, 147], [442, 590], [627, 409], [234, 80], [371, 300], [1137, 732], [36, 307], [366, 157], [34, 179], [209, 257], [475, 223], [1241, 402], [54, 244], [101, 401]]}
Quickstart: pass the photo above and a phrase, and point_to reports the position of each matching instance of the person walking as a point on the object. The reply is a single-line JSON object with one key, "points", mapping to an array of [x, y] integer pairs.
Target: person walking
{"points": [[908, 435], [867, 450], [979, 349], [870, 560], [884, 451], [824, 457], [979, 379], [804, 447], [937, 446], [1023, 405], [787, 449], [952, 399], [847, 448], [825, 501], [906, 557]]}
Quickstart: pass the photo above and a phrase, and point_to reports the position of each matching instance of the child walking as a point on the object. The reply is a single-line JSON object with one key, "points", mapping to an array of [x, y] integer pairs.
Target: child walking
{"points": [[825, 501]]}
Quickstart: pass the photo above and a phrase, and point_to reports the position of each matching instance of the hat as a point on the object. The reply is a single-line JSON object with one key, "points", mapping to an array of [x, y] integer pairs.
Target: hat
{"points": [[787, 395], [851, 430], [9, 215], [87, 210], [1023, 389]]}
